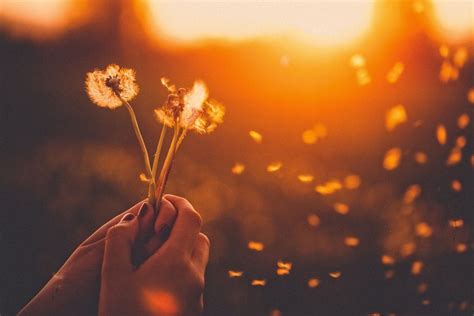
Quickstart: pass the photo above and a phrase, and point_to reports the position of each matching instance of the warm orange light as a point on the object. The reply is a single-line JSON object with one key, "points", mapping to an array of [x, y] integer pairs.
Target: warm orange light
{"points": [[351, 241], [262, 282], [392, 158], [313, 282], [161, 302], [341, 208], [416, 267], [423, 230], [257, 246], [305, 178], [387, 260], [412, 192], [352, 181], [395, 116], [238, 168], [274, 166], [320, 22], [335, 274], [313, 220], [235, 274], [455, 18], [37, 17]]}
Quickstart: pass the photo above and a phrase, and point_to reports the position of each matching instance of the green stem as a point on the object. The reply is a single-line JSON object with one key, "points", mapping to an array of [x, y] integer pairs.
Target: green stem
{"points": [[165, 170], [146, 158]]}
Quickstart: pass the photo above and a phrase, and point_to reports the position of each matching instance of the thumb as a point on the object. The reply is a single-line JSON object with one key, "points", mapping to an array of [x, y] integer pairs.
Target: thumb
{"points": [[118, 246]]}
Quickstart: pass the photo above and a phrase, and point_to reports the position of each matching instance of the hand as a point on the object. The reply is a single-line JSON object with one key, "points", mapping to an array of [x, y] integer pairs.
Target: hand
{"points": [[169, 282], [74, 289]]}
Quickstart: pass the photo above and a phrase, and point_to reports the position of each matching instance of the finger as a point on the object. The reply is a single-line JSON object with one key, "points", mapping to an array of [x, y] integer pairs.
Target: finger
{"points": [[102, 231], [145, 220], [187, 226], [164, 222], [118, 246], [200, 255]]}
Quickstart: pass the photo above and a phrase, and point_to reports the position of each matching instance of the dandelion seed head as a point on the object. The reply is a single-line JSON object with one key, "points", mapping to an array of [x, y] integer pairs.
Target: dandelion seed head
{"points": [[165, 117], [105, 86]]}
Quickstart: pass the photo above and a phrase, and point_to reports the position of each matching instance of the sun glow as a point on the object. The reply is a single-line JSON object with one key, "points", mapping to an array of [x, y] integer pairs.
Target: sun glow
{"points": [[319, 22], [456, 18], [49, 15]]}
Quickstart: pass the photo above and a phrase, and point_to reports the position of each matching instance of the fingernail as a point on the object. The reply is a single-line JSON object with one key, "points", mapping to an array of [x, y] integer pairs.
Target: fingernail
{"points": [[128, 217], [143, 210], [164, 232]]}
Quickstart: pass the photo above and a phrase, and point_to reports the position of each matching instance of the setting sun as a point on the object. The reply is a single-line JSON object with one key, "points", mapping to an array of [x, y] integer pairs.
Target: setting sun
{"points": [[321, 23], [455, 18]]}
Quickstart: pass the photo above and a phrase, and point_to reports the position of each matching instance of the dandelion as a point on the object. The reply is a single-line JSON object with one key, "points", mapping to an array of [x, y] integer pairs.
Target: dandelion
{"points": [[185, 110], [112, 88]]}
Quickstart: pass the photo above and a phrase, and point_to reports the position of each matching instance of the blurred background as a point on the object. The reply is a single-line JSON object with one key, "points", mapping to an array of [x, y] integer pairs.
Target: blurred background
{"points": [[341, 182]]}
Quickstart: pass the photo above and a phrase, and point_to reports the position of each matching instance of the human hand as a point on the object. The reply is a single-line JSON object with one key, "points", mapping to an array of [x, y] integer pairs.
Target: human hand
{"points": [[74, 289], [169, 282]]}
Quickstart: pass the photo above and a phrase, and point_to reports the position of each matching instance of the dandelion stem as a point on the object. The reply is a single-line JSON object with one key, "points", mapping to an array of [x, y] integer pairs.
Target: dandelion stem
{"points": [[165, 170], [146, 158], [159, 146], [181, 138]]}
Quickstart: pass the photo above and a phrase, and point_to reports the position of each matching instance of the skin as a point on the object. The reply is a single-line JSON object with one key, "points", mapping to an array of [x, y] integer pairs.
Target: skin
{"points": [[169, 282], [74, 289]]}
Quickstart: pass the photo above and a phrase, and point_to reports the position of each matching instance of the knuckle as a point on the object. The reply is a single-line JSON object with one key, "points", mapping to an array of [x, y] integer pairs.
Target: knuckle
{"points": [[205, 239], [194, 217]]}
